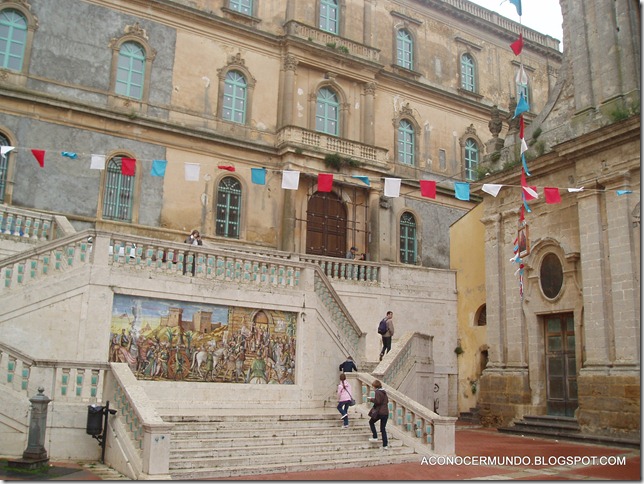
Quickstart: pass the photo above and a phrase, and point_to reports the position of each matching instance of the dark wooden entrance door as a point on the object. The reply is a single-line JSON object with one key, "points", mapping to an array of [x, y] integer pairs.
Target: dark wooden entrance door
{"points": [[326, 225], [561, 365]]}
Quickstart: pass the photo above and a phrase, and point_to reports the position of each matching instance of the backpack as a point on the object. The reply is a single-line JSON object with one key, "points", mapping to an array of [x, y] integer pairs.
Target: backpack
{"points": [[382, 326]]}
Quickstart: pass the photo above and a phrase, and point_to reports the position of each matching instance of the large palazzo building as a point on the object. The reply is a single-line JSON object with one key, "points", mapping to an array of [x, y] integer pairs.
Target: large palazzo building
{"points": [[138, 121]]}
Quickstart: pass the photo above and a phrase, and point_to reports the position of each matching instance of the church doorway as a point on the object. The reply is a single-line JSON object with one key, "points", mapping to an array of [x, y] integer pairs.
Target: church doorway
{"points": [[326, 225], [561, 365]]}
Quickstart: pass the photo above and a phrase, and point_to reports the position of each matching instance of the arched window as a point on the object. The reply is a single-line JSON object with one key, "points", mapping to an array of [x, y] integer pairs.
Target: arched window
{"points": [[13, 39], [229, 194], [235, 95], [405, 49], [329, 16], [468, 73], [406, 142], [408, 243], [4, 168], [130, 73], [118, 195], [481, 316], [242, 6], [471, 159], [327, 112]]}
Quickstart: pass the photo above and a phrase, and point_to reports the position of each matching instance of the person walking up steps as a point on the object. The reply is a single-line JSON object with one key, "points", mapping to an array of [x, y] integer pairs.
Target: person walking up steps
{"points": [[344, 399], [379, 411], [386, 337]]}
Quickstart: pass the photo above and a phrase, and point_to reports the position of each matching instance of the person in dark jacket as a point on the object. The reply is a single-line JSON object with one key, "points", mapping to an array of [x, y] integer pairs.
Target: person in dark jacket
{"points": [[348, 366], [379, 411]]}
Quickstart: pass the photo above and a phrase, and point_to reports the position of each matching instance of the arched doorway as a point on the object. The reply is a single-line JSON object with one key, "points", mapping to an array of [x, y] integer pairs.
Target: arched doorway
{"points": [[326, 225]]}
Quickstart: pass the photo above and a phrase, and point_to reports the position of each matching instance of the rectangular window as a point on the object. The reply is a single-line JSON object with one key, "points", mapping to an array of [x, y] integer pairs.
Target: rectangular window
{"points": [[442, 159]]}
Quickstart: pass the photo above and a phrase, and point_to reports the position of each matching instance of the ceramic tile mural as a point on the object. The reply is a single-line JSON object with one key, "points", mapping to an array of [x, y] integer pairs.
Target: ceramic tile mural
{"points": [[161, 339]]}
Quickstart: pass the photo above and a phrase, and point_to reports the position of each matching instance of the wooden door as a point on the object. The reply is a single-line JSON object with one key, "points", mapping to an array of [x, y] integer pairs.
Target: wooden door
{"points": [[326, 225], [561, 365]]}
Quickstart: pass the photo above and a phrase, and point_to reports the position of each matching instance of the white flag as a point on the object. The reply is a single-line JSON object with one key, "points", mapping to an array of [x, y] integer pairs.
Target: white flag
{"points": [[392, 187], [98, 162], [491, 188], [524, 146], [522, 77], [531, 192], [5, 149], [191, 171], [290, 180], [571, 190]]}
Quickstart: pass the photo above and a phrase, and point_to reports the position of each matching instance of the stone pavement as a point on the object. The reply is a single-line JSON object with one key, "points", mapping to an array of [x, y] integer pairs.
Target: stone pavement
{"points": [[517, 458]]}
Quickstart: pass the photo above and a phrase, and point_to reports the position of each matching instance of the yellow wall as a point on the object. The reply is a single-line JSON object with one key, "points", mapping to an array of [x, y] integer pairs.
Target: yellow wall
{"points": [[467, 257]]}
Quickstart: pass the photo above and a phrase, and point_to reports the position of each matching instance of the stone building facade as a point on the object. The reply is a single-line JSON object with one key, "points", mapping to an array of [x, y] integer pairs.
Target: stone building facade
{"points": [[571, 345]]}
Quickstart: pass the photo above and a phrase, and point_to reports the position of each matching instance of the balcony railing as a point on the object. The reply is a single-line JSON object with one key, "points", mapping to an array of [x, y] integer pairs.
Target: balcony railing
{"points": [[302, 138]]}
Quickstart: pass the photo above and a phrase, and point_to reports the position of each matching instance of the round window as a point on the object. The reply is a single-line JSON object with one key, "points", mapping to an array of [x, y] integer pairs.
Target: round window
{"points": [[551, 276]]}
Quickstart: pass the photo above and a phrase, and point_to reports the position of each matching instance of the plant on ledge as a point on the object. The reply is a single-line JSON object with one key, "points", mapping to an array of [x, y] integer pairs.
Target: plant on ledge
{"points": [[336, 161]]}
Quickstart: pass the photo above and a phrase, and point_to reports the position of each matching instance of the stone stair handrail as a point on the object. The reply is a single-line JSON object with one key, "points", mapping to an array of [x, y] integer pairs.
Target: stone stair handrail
{"points": [[417, 425]]}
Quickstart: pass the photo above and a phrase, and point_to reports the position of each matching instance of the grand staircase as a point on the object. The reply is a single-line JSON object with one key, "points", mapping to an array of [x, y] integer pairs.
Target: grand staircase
{"points": [[226, 445]]}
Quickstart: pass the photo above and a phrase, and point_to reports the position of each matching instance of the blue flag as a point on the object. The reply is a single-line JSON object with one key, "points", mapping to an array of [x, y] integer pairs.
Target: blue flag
{"points": [[158, 167], [522, 106], [517, 4], [363, 179], [462, 190], [69, 154], [258, 176]]}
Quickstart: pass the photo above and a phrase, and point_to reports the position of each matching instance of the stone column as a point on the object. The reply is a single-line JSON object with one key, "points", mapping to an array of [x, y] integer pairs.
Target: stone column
{"points": [[624, 286], [287, 240], [288, 90], [368, 124], [599, 337], [367, 32]]}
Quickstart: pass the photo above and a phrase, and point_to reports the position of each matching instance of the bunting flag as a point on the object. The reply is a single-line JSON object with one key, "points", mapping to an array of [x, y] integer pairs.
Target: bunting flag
{"points": [[552, 195], [524, 146], [623, 192], [521, 127], [40, 157], [530, 193], [492, 189], [428, 188], [392, 187], [521, 77], [363, 179], [517, 4], [226, 167], [462, 190], [158, 167], [517, 45], [191, 171], [258, 176], [522, 106], [128, 166], [571, 190], [69, 154], [5, 149], [290, 180], [325, 182], [97, 162]]}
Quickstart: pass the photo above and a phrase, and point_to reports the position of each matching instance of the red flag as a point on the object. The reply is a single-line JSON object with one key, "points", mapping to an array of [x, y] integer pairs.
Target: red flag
{"points": [[40, 156], [226, 167], [552, 195], [325, 182], [521, 127], [128, 166], [428, 188], [517, 45], [521, 214]]}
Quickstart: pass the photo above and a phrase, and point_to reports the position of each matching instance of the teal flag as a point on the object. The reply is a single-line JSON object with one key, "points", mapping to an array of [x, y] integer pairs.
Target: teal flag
{"points": [[158, 167], [462, 190], [258, 176]]}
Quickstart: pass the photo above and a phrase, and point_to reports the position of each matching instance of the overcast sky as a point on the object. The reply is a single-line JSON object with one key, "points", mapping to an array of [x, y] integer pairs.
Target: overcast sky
{"points": [[541, 15]]}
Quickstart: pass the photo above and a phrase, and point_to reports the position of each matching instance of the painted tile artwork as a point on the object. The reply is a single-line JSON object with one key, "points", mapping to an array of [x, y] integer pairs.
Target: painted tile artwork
{"points": [[161, 339]]}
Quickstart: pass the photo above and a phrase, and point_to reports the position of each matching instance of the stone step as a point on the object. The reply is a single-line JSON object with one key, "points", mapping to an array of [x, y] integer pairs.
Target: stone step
{"points": [[259, 451], [248, 466], [251, 433], [260, 424], [227, 417], [575, 436], [349, 435]]}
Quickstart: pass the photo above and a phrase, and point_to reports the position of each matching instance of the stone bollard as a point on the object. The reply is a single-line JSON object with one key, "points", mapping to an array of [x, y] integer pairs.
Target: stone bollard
{"points": [[35, 456]]}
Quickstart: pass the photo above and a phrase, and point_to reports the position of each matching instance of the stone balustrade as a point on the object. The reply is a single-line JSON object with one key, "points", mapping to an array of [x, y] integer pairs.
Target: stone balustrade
{"points": [[346, 269], [417, 425], [26, 224], [303, 138]]}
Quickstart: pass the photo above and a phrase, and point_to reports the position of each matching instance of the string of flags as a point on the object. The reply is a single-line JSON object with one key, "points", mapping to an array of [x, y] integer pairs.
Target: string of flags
{"points": [[291, 178]]}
